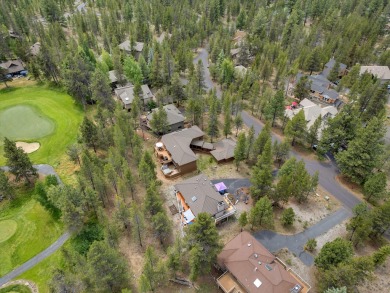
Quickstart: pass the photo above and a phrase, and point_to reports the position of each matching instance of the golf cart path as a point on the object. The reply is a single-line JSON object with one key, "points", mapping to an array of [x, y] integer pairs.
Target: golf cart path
{"points": [[45, 170]]}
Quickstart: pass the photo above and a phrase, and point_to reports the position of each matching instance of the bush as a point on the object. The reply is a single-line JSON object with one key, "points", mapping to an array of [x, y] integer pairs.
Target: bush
{"points": [[288, 217], [89, 233], [311, 244]]}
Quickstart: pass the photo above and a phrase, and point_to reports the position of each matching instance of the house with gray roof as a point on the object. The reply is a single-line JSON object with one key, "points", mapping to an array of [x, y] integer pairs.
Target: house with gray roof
{"points": [[199, 195], [174, 116], [380, 72], [329, 66], [320, 88], [126, 95], [13, 67], [312, 111], [136, 49]]}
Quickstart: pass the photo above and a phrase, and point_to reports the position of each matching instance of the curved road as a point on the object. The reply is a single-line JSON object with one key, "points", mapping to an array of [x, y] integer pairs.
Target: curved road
{"points": [[45, 170]]}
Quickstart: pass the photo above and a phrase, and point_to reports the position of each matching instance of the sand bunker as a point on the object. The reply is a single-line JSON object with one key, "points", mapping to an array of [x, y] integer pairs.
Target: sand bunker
{"points": [[28, 147]]}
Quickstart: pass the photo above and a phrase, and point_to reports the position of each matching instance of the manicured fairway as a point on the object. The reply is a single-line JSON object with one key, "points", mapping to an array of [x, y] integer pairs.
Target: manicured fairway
{"points": [[38, 114], [33, 229]]}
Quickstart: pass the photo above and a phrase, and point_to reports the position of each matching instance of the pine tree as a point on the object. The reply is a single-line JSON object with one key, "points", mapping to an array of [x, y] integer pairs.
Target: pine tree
{"points": [[364, 151], [375, 187], [203, 244], [260, 142], [153, 202], [334, 72], [296, 128], [6, 189], [18, 161], [213, 124], [153, 272], [89, 133], [275, 108], [312, 135], [243, 220], [250, 141], [262, 173], [240, 150], [107, 269], [301, 90], [101, 90], [162, 226], [227, 127], [238, 123], [132, 70], [262, 213], [137, 222], [359, 225]]}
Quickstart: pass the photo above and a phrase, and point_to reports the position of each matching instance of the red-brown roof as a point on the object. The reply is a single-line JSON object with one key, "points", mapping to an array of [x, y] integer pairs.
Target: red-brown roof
{"points": [[254, 266]]}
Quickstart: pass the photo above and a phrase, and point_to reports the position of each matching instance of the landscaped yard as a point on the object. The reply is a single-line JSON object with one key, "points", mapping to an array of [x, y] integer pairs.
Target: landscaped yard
{"points": [[26, 229], [38, 114]]}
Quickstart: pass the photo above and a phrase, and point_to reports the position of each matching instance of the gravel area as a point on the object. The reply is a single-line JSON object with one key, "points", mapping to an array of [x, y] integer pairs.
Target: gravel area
{"points": [[337, 231]]}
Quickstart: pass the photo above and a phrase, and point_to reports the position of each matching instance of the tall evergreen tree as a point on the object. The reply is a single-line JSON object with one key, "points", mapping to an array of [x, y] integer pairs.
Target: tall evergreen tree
{"points": [[240, 150], [296, 128], [18, 161], [89, 133]]}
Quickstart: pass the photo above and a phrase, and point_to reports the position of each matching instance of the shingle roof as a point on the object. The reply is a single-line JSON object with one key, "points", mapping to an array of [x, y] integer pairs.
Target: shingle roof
{"points": [[126, 93], [224, 149], [248, 260], [381, 72], [200, 194], [178, 144], [13, 66], [328, 67], [173, 114]]}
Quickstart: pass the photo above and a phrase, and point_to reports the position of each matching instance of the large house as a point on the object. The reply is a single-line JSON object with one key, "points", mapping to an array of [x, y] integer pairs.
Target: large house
{"points": [[380, 72], [126, 95], [174, 117], [174, 151], [249, 267], [13, 67], [312, 112], [320, 88], [137, 48], [198, 195]]}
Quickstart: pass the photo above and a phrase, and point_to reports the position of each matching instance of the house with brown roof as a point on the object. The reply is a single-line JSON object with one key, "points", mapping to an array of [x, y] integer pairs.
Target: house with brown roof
{"points": [[250, 267], [13, 67], [199, 195], [224, 150], [174, 151]]}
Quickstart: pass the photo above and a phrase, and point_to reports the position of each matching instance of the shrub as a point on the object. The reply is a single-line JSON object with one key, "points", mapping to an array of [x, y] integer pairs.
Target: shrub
{"points": [[311, 244], [288, 217]]}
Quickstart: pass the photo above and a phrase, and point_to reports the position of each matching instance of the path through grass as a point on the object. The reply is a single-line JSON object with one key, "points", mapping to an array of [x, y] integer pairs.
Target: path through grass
{"points": [[35, 231]]}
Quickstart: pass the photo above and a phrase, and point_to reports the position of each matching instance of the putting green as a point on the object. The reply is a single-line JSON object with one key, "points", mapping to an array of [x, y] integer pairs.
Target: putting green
{"points": [[39, 114], [7, 229], [24, 122]]}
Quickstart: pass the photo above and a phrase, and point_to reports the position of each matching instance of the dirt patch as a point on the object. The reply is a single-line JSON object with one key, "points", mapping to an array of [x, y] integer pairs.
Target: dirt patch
{"points": [[380, 282], [354, 188], [29, 284], [28, 147], [292, 261], [337, 231], [307, 214]]}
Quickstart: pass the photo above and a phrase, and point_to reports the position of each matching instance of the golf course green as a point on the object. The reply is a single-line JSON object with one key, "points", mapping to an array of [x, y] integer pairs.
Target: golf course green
{"points": [[39, 114]]}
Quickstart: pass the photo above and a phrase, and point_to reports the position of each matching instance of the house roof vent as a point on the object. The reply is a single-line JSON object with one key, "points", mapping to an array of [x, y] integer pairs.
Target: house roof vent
{"points": [[268, 267], [255, 255], [193, 198], [249, 244]]}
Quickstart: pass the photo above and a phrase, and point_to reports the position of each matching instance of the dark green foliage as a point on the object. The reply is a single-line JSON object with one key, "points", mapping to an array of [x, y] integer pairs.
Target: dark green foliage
{"points": [[203, 245], [261, 215], [40, 194], [333, 253], [301, 90], [296, 128], [89, 133], [240, 150], [88, 234], [107, 269], [18, 161], [375, 186], [288, 217], [6, 189]]}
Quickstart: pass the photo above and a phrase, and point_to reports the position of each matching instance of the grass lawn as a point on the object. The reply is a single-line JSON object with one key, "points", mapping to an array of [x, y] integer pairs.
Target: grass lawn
{"points": [[38, 114], [41, 273], [28, 229]]}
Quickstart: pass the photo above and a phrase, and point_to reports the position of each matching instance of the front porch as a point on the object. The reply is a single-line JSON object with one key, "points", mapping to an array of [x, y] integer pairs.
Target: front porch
{"points": [[229, 284]]}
